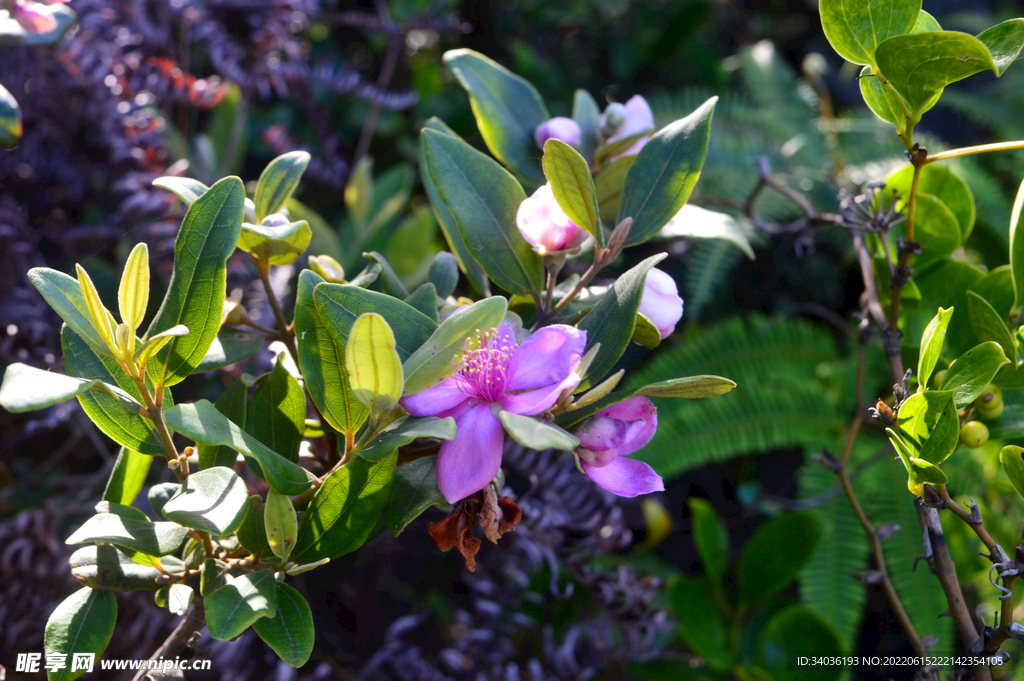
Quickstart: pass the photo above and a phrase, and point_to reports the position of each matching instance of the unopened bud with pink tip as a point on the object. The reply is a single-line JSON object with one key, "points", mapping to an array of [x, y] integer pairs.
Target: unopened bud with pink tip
{"points": [[545, 225], [661, 302], [559, 128], [624, 120]]}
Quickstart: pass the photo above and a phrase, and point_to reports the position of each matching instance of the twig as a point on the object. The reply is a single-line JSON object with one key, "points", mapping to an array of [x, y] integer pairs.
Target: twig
{"points": [[174, 644]]}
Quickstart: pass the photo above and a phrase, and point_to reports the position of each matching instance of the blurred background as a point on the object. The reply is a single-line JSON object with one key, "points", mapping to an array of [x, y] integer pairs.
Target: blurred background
{"points": [[589, 586]]}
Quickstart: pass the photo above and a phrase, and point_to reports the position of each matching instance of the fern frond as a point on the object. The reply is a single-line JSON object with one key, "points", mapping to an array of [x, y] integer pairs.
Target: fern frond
{"points": [[709, 263]]}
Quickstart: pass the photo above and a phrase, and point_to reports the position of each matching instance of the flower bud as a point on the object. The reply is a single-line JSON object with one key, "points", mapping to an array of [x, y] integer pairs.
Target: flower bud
{"points": [[661, 302], [611, 120], [234, 312], [545, 225], [619, 430], [559, 128], [637, 117], [275, 220], [249, 213], [328, 268]]}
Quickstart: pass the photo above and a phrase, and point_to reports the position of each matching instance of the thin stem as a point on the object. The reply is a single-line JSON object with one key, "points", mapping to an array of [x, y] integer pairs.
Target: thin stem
{"points": [[901, 268], [584, 280], [964, 515], [156, 416], [979, 149], [550, 294], [286, 331], [175, 644]]}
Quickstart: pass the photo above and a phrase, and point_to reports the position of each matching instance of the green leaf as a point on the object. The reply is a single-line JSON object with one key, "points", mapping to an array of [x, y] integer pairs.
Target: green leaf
{"points": [[645, 332], [615, 148], [345, 510], [882, 100], [229, 347], [290, 632], [179, 599], [926, 23], [133, 291], [483, 199], [278, 182], [26, 388], [856, 29], [701, 625], [573, 186], [931, 345], [690, 387], [233, 608], [434, 360], [444, 274], [467, 263], [424, 298], [82, 623], [941, 183], [1004, 42], [609, 183], [252, 533], [988, 325], [936, 228], [185, 188], [403, 432], [128, 531], [507, 108], [665, 172], [280, 523], [131, 431], [127, 478], [374, 369], [413, 492], [276, 415], [919, 471], [1016, 251], [612, 320], [929, 424], [920, 65], [231, 403], [64, 295], [794, 631], [775, 555], [107, 568], [586, 114], [711, 539], [10, 119], [275, 245], [195, 294], [537, 433], [156, 343], [943, 283], [211, 500], [158, 496], [203, 423], [1012, 459], [392, 283], [694, 222], [972, 371]]}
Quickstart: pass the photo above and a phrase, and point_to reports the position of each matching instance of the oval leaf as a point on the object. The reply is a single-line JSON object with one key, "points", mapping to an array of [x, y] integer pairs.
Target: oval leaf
{"points": [[537, 433], [374, 369], [126, 531], [107, 568], [931, 345], [856, 29], [988, 325], [232, 404], [64, 295], [413, 492], [573, 186], [701, 624], [82, 623], [775, 555], [929, 424], [278, 182], [690, 387], [127, 478], [232, 608], [185, 188], [1012, 459], [276, 415], [281, 524], [972, 371], [404, 431], [228, 347], [212, 500], [711, 539], [290, 632], [587, 115], [133, 292]]}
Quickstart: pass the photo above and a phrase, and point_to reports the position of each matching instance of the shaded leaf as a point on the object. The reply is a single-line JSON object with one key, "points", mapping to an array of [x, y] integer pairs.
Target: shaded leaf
{"points": [[290, 632], [276, 415], [414, 491], [403, 432], [233, 608], [82, 623], [573, 186], [127, 478], [775, 555], [972, 371]]}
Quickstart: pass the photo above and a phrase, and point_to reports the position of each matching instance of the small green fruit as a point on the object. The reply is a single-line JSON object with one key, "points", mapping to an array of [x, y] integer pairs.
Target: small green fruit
{"points": [[937, 379], [990, 403], [974, 434]]}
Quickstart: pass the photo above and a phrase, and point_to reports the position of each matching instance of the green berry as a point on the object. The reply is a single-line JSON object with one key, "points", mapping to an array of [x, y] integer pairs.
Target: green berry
{"points": [[974, 434], [990, 403], [937, 378]]}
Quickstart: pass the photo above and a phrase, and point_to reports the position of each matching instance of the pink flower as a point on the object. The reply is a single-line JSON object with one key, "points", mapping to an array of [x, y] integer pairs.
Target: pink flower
{"points": [[31, 18], [609, 437], [661, 302], [521, 379], [545, 225], [559, 128], [639, 117]]}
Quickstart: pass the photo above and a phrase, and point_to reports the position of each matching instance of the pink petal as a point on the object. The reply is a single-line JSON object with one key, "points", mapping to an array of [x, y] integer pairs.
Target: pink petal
{"points": [[444, 396], [600, 434], [625, 477], [536, 401], [642, 417], [548, 356], [468, 463], [31, 19]]}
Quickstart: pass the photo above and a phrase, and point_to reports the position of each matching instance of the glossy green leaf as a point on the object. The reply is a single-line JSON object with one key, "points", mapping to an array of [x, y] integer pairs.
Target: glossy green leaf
{"points": [[856, 28], [444, 274], [276, 415], [133, 291], [278, 182], [694, 222], [612, 320], [665, 172], [107, 568], [414, 491], [537, 433], [424, 298], [156, 343], [82, 623], [711, 538], [587, 115], [929, 424], [203, 423], [936, 228], [99, 315], [280, 523], [195, 294], [252, 533], [456, 243], [374, 369], [484, 198], [229, 347], [919, 471], [775, 555], [573, 186], [158, 496], [10, 119], [234, 607], [507, 108], [127, 478], [883, 101], [941, 183], [404, 431], [792, 632], [988, 325], [1012, 459], [129, 532], [290, 632], [614, 149], [211, 500], [645, 332], [926, 23], [920, 65], [1004, 42], [943, 283], [1016, 251], [232, 404], [609, 183], [340, 305], [27, 388], [185, 188], [690, 387], [345, 510], [931, 345], [392, 283], [276, 245], [972, 371], [702, 626], [64, 295], [435, 359]]}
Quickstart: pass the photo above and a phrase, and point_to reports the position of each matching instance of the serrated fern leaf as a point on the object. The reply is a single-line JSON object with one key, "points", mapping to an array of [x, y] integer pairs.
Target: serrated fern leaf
{"points": [[710, 262]]}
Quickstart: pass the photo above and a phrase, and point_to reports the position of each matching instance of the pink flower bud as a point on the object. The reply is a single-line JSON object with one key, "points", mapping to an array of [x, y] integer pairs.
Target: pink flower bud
{"points": [[559, 128], [545, 225], [661, 302], [275, 220], [609, 437], [30, 17], [639, 117]]}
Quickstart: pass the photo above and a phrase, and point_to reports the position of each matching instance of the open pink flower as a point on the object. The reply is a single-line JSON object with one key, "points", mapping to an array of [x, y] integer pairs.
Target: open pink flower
{"points": [[522, 379], [545, 225], [612, 435], [31, 17]]}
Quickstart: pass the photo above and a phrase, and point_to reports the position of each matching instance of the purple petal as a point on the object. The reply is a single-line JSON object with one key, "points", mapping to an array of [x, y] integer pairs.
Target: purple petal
{"points": [[469, 462], [641, 416], [536, 401], [548, 356], [625, 477], [444, 396], [600, 433]]}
